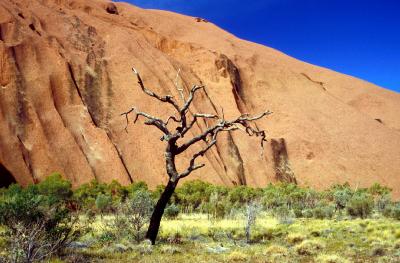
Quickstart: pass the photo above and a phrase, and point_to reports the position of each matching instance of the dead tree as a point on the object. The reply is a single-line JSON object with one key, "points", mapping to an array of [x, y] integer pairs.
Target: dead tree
{"points": [[184, 122]]}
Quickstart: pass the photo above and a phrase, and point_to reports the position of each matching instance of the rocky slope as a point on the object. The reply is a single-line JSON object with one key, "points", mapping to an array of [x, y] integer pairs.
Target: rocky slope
{"points": [[65, 76]]}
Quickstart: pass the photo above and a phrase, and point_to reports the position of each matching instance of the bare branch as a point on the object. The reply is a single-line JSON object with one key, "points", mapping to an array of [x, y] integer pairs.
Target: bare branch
{"points": [[151, 120], [172, 118], [195, 116], [223, 125], [174, 147], [192, 166], [203, 136], [247, 117], [180, 90], [190, 98], [167, 98]]}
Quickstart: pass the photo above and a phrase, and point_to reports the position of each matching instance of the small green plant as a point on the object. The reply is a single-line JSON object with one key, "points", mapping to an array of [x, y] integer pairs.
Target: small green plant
{"points": [[284, 214], [323, 211], [360, 205], [36, 220], [103, 203], [341, 196], [392, 210], [132, 216], [171, 211]]}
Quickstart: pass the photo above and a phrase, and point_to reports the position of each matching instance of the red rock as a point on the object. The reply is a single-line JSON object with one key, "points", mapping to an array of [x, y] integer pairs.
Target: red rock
{"points": [[65, 76]]}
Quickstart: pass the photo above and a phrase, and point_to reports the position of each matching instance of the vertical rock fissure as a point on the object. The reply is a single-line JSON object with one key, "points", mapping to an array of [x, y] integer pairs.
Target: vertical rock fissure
{"points": [[229, 69], [283, 171], [71, 73], [240, 172], [27, 160], [57, 108], [120, 156], [22, 107]]}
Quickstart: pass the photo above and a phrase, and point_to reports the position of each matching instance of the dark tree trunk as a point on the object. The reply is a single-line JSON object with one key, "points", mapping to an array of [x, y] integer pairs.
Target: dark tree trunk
{"points": [[158, 212]]}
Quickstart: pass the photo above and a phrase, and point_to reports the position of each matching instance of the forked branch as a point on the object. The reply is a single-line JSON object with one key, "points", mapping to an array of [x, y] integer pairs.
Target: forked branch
{"points": [[172, 136]]}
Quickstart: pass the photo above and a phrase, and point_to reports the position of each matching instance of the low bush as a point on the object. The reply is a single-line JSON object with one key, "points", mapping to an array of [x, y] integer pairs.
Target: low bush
{"points": [[323, 211], [341, 195], [392, 210], [171, 211], [37, 222], [360, 205], [131, 217], [284, 214], [103, 203]]}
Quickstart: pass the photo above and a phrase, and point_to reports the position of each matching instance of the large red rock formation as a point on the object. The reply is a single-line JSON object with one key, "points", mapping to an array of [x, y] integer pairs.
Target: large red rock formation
{"points": [[65, 76]]}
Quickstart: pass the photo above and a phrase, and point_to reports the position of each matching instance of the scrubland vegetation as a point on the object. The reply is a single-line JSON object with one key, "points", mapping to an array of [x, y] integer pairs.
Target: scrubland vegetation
{"points": [[203, 223]]}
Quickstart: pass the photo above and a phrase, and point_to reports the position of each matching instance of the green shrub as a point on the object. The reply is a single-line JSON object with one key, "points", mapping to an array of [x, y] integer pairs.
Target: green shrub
{"points": [[379, 190], [360, 205], [103, 202], [55, 188], [132, 215], [135, 187], [218, 206], [240, 195], [192, 194], [298, 212], [392, 211], [86, 194], [308, 213], [283, 214], [289, 195], [323, 211], [342, 196], [36, 220], [171, 211], [382, 202], [237, 256]]}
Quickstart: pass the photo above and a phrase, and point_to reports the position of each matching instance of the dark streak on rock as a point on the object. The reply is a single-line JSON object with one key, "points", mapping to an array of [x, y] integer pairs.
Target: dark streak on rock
{"points": [[27, 160], [22, 106], [283, 172], [230, 70], [235, 153], [1, 34], [314, 81], [109, 135]]}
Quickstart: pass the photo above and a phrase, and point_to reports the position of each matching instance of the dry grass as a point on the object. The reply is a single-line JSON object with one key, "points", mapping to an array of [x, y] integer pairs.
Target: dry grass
{"points": [[306, 240]]}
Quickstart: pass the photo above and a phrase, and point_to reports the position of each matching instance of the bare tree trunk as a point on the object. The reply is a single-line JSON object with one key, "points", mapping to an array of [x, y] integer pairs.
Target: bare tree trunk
{"points": [[172, 137], [159, 211]]}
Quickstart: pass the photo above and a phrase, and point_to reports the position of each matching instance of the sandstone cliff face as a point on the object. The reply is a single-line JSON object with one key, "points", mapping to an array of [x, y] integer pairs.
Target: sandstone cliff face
{"points": [[65, 76]]}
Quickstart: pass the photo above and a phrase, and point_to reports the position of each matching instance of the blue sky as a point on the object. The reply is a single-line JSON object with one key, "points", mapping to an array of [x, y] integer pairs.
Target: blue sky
{"points": [[359, 38]]}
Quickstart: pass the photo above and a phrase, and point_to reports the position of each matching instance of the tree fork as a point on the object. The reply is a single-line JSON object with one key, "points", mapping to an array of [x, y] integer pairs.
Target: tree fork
{"points": [[172, 137]]}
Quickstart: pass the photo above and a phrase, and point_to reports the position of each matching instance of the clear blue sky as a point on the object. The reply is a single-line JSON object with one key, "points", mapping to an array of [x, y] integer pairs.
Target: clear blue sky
{"points": [[359, 38]]}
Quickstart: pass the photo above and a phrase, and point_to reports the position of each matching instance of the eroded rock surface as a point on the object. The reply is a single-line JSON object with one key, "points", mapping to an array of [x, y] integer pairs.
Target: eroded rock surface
{"points": [[65, 76]]}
